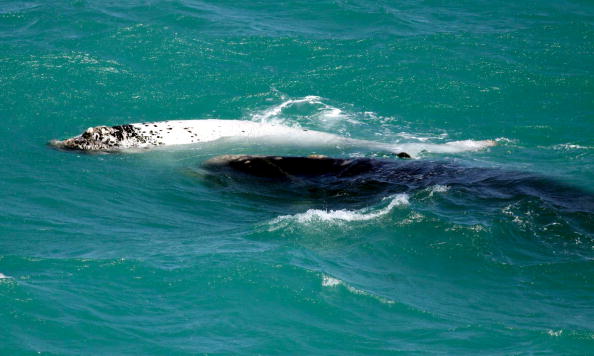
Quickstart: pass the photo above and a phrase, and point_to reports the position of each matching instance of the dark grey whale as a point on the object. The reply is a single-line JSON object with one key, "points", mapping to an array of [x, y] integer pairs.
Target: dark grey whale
{"points": [[361, 179], [291, 167]]}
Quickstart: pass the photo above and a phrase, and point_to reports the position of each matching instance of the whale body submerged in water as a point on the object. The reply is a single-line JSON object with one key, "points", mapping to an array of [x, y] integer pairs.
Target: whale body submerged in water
{"points": [[355, 180], [139, 136]]}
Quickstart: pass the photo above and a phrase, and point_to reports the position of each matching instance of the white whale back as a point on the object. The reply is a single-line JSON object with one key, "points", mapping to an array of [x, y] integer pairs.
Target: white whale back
{"points": [[180, 132]]}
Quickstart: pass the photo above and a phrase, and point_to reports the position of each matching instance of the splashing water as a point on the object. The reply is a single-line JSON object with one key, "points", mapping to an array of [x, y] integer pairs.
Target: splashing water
{"points": [[314, 216]]}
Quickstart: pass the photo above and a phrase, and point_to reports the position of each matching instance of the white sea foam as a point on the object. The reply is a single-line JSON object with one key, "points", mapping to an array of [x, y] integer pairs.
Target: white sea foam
{"points": [[333, 113], [505, 140], [415, 149], [3, 276], [421, 138], [324, 113], [342, 215], [331, 116], [518, 219], [571, 146], [469, 145], [331, 282], [328, 281], [555, 332], [413, 218], [438, 188], [271, 115]]}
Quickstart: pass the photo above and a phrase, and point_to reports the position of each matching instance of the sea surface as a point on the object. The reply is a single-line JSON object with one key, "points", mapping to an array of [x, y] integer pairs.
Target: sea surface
{"points": [[149, 254]]}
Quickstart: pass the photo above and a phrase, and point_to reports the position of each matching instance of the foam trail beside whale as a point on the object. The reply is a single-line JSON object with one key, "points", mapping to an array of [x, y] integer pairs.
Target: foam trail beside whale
{"points": [[146, 135]]}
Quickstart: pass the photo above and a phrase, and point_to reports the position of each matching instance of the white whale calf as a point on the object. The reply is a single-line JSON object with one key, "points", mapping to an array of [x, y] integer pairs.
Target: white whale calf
{"points": [[131, 137]]}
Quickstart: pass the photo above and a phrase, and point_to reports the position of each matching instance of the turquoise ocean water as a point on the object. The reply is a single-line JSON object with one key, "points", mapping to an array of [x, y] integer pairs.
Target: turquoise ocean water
{"points": [[144, 254]]}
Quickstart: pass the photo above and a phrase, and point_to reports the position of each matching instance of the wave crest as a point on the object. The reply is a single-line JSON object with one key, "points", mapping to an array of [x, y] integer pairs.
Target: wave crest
{"points": [[313, 216], [331, 282]]}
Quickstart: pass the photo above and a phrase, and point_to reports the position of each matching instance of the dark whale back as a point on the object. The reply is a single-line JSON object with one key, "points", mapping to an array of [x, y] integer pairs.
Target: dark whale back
{"points": [[287, 167], [368, 178]]}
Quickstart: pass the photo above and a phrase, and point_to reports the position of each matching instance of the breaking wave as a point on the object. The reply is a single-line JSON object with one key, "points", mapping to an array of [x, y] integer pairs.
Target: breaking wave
{"points": [[310, 106], [341, 215], [331, 282]]}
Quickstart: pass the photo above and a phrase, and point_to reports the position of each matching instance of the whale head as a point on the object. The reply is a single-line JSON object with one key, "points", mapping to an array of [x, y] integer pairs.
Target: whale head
{"points": [[99, 138]]}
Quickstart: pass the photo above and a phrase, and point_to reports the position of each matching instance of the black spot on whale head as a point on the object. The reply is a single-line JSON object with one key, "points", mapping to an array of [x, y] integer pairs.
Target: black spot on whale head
{"points": [[122, 132]]}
